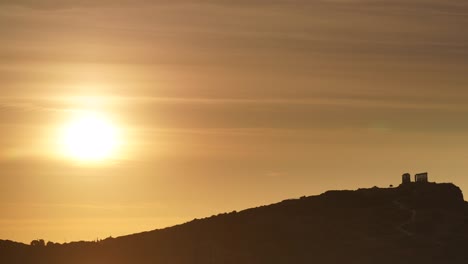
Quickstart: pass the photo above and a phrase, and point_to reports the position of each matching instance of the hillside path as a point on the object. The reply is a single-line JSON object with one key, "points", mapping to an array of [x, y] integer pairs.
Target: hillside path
{"points": [[411, 219]]}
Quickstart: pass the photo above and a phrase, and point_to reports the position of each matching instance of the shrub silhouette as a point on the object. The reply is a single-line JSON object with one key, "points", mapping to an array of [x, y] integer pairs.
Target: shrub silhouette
{"points": [[38, 243]]}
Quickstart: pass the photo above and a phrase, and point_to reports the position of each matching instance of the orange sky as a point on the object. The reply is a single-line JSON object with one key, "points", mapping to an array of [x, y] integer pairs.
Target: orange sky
{"points": [[223, 106]]}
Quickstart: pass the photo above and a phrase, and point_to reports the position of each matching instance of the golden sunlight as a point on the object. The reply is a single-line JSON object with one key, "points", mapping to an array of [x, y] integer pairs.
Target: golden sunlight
{"points": [[90, 137]]}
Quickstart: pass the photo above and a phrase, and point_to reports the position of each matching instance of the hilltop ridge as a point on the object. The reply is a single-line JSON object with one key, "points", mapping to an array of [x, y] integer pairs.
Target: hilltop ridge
{"points": [[411, 223], [415, 194]]}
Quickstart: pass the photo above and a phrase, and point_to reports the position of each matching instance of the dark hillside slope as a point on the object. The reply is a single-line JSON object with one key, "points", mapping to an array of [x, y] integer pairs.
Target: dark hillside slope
{"points": [[414, 223]]}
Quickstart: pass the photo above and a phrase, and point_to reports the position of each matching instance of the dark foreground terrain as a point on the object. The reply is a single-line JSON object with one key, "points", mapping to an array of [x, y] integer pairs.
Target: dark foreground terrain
{"points": [[414, 223]]}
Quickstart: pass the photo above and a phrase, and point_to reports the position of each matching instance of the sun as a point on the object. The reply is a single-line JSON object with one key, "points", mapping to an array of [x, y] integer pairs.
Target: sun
{"points": [[90, 137]]}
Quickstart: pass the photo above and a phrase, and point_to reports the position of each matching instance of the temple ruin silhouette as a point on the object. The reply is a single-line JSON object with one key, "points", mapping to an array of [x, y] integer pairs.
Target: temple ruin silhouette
{"points": [[418, 177]]}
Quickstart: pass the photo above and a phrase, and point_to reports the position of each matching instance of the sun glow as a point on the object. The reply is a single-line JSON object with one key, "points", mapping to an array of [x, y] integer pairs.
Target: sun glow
{"points": [[90, 137]]}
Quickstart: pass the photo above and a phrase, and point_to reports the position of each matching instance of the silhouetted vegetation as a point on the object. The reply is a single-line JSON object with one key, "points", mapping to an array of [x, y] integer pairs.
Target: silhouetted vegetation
{"points": [[412, 223], [38, 243]]}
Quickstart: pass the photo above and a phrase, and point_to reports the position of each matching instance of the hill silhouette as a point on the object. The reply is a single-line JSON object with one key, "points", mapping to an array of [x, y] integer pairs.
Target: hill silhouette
{"points": [[413, 223]]}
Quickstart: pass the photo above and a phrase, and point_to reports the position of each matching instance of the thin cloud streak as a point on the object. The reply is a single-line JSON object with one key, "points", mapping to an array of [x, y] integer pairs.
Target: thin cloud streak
{"points": [[33, 104]]}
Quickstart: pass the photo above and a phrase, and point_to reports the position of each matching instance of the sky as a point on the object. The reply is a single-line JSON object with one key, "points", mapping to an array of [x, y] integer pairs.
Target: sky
{"points": [[222, 106]]}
